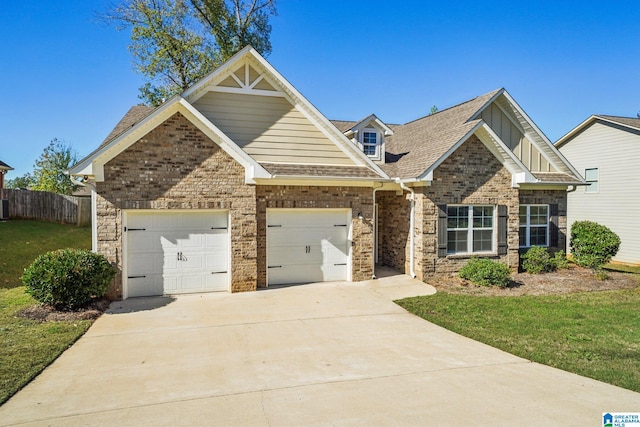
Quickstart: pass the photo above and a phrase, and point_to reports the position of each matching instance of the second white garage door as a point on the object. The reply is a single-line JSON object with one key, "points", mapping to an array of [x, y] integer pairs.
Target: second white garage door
{"points": [[307, 245], [175, 252]]}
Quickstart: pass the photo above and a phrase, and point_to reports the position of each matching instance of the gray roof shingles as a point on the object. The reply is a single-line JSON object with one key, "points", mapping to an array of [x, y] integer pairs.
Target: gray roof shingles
{"points": [[626, 121]]}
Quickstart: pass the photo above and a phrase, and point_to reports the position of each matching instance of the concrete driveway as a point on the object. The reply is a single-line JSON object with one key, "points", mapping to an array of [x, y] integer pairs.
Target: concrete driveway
{"points": [[320, 354]]}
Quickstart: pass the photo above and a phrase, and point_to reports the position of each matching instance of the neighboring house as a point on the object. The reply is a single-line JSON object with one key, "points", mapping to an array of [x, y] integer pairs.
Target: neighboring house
{"points": [[4, 168], [606, 149], [241, 183]]}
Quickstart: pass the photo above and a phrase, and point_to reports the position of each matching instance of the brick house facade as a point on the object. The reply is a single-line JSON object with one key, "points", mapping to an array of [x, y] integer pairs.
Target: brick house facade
{"points": [[347, 193]]}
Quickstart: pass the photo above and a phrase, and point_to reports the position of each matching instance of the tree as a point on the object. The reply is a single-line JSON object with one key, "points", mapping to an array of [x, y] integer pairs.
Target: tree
{"points": [[49, 169], [174, 43], [24, 181], [434, 109]]}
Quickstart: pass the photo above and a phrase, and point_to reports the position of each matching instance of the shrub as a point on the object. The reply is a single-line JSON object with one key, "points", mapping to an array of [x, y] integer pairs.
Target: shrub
{"points": [[68, 279], [485, 272], [560, 260], [537, 260], [592, 244]]}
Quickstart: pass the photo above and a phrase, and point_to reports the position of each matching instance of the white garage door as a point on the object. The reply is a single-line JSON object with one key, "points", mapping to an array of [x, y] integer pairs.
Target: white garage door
{"points": [[176, 252], [307, 245]]}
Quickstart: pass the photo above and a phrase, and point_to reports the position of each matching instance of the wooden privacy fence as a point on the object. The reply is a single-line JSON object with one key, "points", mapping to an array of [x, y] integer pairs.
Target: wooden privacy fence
{"points": [[45, 206]]}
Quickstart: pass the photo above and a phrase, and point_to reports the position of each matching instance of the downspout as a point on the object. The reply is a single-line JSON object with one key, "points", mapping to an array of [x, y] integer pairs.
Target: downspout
{"points": [[412, 215], [375, 234]]}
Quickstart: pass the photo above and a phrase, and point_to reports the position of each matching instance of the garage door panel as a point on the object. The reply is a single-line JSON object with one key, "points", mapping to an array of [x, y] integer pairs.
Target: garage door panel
{"points": [[307, 245], [177, 252]]}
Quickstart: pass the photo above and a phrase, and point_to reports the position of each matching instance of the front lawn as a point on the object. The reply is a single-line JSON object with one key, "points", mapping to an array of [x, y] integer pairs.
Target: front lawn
{"points": [[22, 241], [28, 346], [594, 334]]}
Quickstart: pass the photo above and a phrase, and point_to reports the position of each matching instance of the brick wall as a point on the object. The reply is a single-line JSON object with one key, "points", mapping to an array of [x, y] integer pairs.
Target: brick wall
{"points": [[471, 175], [358, 199], [175, 166]]}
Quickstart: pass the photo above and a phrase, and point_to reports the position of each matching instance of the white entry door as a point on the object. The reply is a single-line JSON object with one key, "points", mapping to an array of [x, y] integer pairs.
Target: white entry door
{"points": [[174, 252], [307, 245]]}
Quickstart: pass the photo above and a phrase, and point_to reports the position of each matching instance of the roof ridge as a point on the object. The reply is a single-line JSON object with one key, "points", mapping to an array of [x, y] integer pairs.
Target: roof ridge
{"points": [[452, 107]]}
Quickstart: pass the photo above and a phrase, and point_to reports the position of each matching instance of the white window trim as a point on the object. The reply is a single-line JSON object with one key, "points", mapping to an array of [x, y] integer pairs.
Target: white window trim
{"points": [[528, 226], [378, 145], [597, 180], [470, 229]]}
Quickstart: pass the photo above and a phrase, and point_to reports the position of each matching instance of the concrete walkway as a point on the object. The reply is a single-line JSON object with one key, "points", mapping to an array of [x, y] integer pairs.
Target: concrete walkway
{"points": [[321, 354]]}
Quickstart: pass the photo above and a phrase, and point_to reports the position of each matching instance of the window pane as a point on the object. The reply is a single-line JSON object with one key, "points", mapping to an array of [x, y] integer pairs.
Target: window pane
{"points": [[458, 217], [538, 215], [523, 214], [591, 174], [482, 217], [369, 150], [538, 236], [369, 138], [482, 240], [456, 241], [523, 236]]}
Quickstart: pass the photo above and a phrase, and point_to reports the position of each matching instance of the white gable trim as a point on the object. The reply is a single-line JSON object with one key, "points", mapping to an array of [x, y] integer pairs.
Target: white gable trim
{"points": [[541, 142], [93, 164], [568, 137], [368, 122], [496, 146], [286, 89]]}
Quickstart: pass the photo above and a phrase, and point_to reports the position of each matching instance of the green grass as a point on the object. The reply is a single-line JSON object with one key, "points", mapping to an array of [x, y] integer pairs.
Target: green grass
{"points": [[28, 346], [622, 268], [22, 241], [594, 334]]}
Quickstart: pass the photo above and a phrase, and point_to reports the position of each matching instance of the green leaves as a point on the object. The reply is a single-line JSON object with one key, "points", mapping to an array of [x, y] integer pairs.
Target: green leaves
{"points": [[175, 43], [593, 244], [49, 169]]}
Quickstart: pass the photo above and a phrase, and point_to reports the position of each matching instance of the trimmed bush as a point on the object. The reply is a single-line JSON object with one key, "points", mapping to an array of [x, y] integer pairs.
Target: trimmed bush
{"points": [[485, 272], [592, 244], [537, 260], [560, 260], [68, 279]]}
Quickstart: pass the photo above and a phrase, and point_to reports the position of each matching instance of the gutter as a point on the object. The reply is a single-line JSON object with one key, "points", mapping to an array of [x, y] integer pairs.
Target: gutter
{"points": [[412, 272]]}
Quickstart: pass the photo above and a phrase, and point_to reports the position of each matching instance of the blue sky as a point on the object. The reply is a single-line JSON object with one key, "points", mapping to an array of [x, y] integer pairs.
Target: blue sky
{"points": [[66, 76]]}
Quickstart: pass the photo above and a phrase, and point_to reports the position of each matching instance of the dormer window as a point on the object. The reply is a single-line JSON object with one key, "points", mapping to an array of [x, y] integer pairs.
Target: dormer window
{"points": [[371, 143]]}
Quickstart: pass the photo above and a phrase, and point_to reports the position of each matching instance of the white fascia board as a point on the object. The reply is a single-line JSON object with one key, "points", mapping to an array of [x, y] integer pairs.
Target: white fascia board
{"points": [[508, 158], [93, 165], [427, 175], [547, 146], [252, 168], [372, 118], [191, 93], [569, 135]]}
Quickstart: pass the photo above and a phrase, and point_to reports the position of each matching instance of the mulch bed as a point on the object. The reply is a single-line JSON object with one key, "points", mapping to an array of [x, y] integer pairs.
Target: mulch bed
{"points": [[573, 279], [45, 313]]}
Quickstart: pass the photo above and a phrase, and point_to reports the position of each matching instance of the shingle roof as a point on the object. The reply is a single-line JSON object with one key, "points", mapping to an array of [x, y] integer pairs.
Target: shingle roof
{"points": [[133, 116], [320, 171], [5, 166], [626, 121], [417, 145], [343, 125], [556, 178]]}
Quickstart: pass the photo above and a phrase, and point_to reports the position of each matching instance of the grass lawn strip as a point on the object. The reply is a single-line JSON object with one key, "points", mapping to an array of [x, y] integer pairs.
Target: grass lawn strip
{"points": [[594, 334], [28, 346]]}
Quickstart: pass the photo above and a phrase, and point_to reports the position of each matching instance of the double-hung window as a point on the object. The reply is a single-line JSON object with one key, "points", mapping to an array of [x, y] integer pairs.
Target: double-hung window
{"points": [[534, 225], [470, 229], [371, 143]]}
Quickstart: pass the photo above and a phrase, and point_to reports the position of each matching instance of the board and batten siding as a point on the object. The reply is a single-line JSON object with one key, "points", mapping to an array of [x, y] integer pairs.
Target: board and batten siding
{"points": [[270, 129], [513, 136], [615, 153]]}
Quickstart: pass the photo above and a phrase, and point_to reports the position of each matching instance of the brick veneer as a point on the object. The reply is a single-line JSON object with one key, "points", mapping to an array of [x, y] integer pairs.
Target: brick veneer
{"points": [[175, 166], [358, 199], [471, 175]]}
